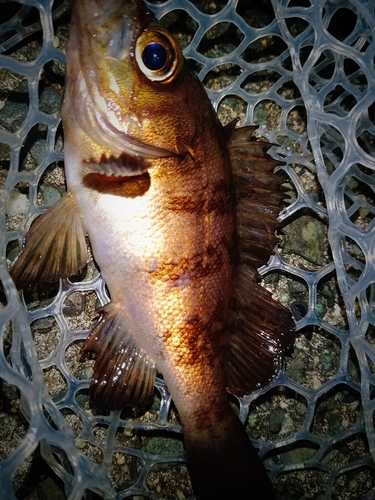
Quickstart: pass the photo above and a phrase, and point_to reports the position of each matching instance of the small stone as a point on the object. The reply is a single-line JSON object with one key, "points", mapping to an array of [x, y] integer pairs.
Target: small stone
{"points": [[252, 420], [50, 100], [36, 147], [277, 417], [335, 423], [297, 370], [49, 194], [13, 114], [327, 363], [17, 203], [298, 455], [353, 485], [272, 278], [316, 382], [74, 305]]}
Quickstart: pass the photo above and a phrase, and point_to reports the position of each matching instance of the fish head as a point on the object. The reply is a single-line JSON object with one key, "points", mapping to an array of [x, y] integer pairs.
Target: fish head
{"points": [[128, 84]]}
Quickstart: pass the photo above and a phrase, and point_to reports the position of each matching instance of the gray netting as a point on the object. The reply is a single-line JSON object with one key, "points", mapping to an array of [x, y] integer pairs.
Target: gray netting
{"points": [[303, 72]]}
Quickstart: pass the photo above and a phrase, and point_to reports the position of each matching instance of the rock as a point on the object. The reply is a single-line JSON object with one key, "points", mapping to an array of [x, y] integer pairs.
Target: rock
{"points": [[49, 194], [49, 490], [327, 363], [298, 455], [305, 237], [276, 420], [13, 114], [49, 100]]}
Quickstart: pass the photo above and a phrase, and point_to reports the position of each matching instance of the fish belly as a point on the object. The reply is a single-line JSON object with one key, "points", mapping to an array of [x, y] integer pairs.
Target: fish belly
{"points": [[170, 278]]}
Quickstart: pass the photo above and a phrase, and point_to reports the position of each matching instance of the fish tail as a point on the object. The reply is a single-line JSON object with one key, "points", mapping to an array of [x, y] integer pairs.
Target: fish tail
{"points": [[226, 466]]}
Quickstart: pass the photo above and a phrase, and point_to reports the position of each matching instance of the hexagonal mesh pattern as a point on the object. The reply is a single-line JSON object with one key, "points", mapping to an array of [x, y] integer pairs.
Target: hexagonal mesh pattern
{"points": [[304, 72]]}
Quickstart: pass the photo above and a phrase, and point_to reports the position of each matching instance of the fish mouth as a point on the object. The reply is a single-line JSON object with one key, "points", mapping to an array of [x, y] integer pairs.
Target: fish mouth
{"points": [[134, 146]]}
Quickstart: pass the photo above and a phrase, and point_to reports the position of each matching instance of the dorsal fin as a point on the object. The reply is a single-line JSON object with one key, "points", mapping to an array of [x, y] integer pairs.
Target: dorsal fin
{"points": [[123, 373], [262, 327], [55, 246], [258, 196]]}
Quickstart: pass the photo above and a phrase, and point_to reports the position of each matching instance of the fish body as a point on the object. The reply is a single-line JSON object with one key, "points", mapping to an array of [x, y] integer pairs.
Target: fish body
{"points": [[164, 282], [150, 177]]}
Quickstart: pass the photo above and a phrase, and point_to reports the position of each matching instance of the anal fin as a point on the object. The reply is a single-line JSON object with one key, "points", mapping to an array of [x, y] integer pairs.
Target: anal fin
{"points": [[55, 246], [123, 373]]}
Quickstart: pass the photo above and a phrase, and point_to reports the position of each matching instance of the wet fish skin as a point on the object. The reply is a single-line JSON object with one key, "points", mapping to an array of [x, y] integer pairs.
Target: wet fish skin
{"points": [[151, 178], [171, 245]]}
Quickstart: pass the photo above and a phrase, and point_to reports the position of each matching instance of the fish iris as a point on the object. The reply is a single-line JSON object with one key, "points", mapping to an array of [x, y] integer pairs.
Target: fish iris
{"points": [[154, 56]]}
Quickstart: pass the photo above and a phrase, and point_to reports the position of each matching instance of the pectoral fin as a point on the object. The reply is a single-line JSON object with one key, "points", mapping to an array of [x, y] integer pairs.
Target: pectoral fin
{"points": [[123, 373], [55, 246]]}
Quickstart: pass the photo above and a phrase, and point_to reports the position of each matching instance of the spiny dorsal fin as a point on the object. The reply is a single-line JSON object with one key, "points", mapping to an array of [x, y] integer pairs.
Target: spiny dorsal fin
{"points": [[258, 196], [55, 246], [262, 327], [123, 373]]}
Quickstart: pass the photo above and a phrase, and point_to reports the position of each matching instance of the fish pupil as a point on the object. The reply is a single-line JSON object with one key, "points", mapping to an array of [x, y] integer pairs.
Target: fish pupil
{"points": [[154, 56]]}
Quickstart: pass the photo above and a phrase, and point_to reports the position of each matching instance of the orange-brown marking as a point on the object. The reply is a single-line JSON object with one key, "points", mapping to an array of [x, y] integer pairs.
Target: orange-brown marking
{"points": [[195, 268], [218, 199]]}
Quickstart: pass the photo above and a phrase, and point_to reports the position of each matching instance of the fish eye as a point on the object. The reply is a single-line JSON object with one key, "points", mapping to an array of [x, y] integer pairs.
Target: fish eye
{"points": [[154, 56], [158, 55]]}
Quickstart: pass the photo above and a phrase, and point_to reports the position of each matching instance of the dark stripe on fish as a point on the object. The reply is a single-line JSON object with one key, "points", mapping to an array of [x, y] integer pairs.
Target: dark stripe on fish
{"points": [[217, 200], [193, 268]]}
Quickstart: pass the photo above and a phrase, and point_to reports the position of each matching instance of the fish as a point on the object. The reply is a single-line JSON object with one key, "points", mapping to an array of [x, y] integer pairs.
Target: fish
{"points": [[180, 212]]}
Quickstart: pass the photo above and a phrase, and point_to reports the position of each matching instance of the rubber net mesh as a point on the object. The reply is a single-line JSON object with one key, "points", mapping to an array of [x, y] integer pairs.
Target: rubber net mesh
{"points": [[304, 73]]}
